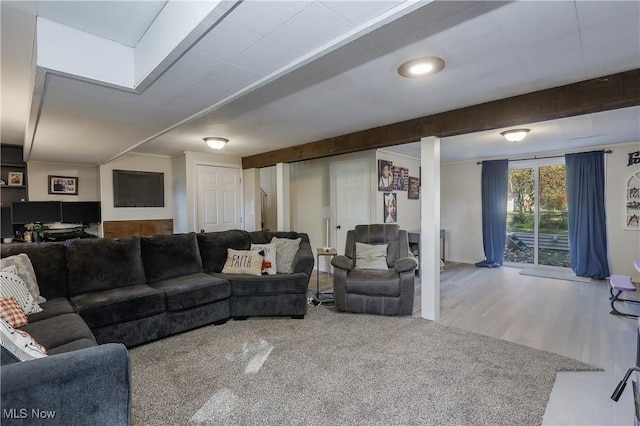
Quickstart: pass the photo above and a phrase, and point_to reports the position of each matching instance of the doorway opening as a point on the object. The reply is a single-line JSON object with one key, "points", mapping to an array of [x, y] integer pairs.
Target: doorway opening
{"points": [[537, 219]]}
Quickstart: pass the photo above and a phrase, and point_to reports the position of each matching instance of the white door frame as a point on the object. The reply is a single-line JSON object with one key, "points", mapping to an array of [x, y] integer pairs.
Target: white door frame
{"points": [[195, 186]]}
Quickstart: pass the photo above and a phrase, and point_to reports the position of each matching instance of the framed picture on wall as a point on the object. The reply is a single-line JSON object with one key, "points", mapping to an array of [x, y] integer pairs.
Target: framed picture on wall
{"points": [[385, 175], [390, 207], [63, 185], [400, 178], [414, 188]]}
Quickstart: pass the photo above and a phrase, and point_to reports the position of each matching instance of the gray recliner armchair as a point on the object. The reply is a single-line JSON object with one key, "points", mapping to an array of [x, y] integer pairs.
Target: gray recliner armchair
{"points": [[385, 291]]}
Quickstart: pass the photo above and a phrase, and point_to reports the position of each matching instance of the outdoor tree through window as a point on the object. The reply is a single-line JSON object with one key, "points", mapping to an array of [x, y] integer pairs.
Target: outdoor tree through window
{"points": [[537, 192]]}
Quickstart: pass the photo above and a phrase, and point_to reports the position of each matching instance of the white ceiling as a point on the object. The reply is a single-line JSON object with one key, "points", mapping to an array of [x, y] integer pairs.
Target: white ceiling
{"points": [[274, 74]]}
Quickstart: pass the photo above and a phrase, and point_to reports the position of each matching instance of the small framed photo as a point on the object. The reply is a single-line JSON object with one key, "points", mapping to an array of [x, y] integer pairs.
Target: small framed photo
{"points": [[390, 208], [414, 188], [15, 178], [64, 185]]}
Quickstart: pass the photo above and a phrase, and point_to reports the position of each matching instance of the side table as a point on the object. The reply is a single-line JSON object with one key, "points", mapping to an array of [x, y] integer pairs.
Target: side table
{"points": [[323, 297]]}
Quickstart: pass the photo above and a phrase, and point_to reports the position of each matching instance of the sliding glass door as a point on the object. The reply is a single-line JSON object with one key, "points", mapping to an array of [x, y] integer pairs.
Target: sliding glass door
{"points": [[537, 228]]}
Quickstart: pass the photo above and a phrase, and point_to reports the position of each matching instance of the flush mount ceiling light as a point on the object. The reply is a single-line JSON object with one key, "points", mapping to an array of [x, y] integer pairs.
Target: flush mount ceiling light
{"points": [[421, 67], [515, 135], [216, 143]]}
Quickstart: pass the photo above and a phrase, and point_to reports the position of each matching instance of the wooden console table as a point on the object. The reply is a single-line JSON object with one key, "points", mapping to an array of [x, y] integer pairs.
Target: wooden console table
{"points": [[139, 228]]}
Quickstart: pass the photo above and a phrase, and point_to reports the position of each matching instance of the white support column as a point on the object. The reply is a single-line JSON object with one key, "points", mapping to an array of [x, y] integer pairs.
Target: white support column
{"points": [[430, 227], [283, 197], [252, 202]]}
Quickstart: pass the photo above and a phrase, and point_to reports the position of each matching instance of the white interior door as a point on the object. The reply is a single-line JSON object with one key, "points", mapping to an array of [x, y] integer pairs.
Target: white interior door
{"points": [[219, 198], [351, 192]]}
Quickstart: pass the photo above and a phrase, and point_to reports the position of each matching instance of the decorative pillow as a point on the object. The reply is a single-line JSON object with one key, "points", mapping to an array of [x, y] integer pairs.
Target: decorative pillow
{"points": [[20, 343], [243, 262], [12, 285], [269, 253], [286, 250], [25, 271], [11, 311], [371, 256]]}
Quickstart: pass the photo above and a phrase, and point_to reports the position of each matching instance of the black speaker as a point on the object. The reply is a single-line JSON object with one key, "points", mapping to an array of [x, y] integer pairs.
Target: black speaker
{"points": [[6, 227]]}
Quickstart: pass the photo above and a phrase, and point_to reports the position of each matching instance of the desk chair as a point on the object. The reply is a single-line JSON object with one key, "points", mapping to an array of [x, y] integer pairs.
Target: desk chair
{"points": [[622, 284]]}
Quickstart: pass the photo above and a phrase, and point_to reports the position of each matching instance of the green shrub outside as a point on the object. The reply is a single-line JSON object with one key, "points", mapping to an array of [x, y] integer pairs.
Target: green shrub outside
{"points": [[551, 222]]}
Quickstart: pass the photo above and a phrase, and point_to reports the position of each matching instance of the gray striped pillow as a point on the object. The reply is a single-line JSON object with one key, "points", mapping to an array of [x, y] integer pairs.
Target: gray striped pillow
{"points": [[12, 285], [25, 271]]}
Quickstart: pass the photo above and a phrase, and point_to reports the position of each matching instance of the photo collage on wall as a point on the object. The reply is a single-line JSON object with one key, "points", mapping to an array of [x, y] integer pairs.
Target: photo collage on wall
{"points": [[392, 179], [632, 218]]}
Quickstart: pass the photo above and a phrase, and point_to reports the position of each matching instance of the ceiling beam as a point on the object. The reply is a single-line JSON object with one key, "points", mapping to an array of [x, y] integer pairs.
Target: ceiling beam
{"points": [[599, 94]]}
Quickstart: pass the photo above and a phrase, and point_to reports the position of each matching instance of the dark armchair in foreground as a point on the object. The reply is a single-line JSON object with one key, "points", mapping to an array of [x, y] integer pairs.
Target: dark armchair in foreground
{"points": [[376, 274]]}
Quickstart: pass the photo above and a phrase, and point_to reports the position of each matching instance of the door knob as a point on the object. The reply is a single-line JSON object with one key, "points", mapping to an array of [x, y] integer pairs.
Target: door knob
{"points": [[338, 227]]}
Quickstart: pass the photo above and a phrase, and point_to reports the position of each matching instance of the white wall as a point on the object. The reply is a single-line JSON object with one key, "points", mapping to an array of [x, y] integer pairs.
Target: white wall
{"points": [[310, 185], [179, 186], [38, 181], [461, 210], [138, 162], [624, 246], [408, 210], [251, 180], [88, 185], [309, 193], [95, 183]]}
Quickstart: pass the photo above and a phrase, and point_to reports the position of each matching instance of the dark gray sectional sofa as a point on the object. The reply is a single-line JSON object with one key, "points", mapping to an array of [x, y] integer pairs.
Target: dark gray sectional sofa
{"points": [[135, 290]]}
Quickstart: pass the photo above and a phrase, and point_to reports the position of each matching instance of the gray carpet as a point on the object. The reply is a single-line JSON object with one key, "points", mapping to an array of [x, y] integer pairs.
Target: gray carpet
{"points": [[558, 275], [341, 369]]}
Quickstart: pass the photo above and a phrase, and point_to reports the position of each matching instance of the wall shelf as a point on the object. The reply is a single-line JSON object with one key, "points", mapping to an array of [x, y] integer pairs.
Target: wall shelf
{"points": [[12, 156]]}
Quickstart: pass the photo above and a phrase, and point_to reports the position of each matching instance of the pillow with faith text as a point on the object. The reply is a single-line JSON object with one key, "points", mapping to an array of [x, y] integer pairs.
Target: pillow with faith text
{"points": [[243, 262]]}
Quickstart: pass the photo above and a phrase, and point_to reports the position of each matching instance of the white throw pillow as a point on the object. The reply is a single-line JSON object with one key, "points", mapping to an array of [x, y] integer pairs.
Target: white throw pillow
{"points": [[286, 250], [269, 252], [12, 285], [25, 271], [21, 344], [370, 256], [243, 262]]}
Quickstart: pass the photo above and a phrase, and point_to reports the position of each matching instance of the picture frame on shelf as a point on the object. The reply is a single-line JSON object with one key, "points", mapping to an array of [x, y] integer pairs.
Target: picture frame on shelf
{"points": [[63, 185], [15, 178]]}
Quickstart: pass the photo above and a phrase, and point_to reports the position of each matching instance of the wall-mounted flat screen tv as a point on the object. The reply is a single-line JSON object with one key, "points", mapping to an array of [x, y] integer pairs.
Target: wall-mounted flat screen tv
{"points": [[138, 189], [81, 212], [35, 211]]}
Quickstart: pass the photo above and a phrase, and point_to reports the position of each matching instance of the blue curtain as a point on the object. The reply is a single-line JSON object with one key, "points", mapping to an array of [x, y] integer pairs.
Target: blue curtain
{"points": [[495, 180], [587, 218]]}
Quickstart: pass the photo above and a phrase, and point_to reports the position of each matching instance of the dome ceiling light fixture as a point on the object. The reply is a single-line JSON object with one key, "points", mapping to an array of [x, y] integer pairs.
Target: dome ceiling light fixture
{"points": [[421, 67], [515, 135], [216, 143]]}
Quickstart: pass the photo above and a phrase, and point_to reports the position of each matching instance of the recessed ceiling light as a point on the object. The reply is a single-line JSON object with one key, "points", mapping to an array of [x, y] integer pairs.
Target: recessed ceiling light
{"points": [[421, 67], [216, 143], [515, 135]]}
